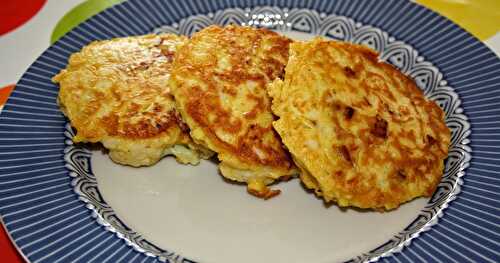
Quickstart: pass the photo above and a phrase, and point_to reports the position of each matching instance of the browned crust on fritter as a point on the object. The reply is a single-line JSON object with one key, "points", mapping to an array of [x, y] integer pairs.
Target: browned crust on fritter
{"points": [[249, 62], [116, 92], [381, 142], [154, 123], [265, 194], [127, 64], [200, 104]]}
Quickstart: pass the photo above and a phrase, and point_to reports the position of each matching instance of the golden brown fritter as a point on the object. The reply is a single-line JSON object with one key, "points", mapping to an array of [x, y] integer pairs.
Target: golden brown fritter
{"points": [[116, 92], [219, 82], [361, 132]]}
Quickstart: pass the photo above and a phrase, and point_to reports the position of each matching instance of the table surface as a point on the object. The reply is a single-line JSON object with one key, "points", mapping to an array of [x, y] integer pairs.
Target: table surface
{"points": [[29, 26]]}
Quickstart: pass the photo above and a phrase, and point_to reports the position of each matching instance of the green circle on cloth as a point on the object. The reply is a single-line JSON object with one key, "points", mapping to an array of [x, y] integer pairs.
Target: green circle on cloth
{"points": [[79, 14]]}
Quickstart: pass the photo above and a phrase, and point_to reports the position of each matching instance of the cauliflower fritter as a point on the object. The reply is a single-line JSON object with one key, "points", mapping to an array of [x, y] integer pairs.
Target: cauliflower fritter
{"points": [[361, 132], [116, 92], [219, 82]]}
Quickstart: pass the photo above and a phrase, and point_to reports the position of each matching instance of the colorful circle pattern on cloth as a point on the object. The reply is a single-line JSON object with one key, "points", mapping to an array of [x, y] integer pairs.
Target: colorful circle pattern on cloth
{"points": [[50, 224]]}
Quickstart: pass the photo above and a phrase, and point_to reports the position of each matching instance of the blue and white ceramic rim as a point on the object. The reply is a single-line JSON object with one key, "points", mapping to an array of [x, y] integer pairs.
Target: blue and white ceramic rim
{"points": [[40, 169]]}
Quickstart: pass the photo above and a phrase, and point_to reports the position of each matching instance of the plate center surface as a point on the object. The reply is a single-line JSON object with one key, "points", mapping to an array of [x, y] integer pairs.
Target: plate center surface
{"points": [[191, 210]]}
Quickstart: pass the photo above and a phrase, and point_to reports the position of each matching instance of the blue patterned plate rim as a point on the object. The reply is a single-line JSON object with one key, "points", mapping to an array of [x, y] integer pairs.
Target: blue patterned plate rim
{"points": [[33, 143]]}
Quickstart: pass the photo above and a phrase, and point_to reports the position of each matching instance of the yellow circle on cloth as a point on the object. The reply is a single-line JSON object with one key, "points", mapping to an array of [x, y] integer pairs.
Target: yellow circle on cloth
{"points": [[480, 17]]}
